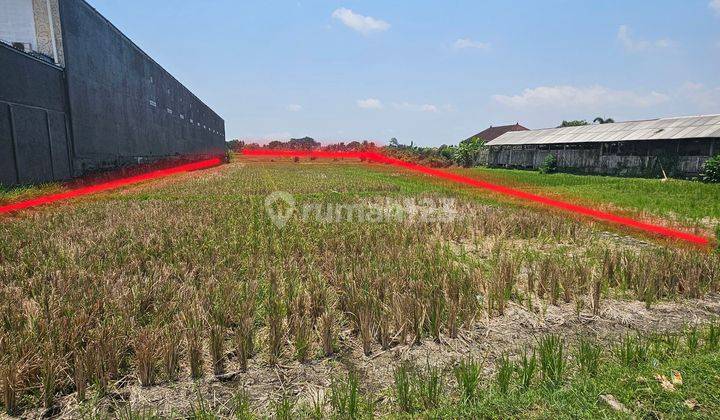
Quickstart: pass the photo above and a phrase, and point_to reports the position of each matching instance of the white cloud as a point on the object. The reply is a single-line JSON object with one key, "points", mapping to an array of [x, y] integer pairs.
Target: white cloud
{"points": [[448, 108], [294, 108], [465, 43], [407, 106], [428, 108], [363, 24], [715, 5], [264, 138], [578, 97], [369, 103], [705, 98], [637, 45]]}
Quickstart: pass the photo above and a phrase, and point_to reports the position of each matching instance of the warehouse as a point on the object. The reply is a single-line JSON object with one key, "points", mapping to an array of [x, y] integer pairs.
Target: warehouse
{"points": [[667, 146], [76, 95]]}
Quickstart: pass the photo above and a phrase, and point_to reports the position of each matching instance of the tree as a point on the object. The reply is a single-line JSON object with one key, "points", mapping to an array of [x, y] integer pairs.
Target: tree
{"points": [[468, 151], [549, 165], [447, 152], [711, 170], [573, 123], [394, 142], [235, 145], [601, 120]]}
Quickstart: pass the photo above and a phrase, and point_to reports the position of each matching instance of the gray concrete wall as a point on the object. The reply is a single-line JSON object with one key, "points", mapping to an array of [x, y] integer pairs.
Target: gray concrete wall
{"points": [[124, 107], [34, 141], [591, 161]]}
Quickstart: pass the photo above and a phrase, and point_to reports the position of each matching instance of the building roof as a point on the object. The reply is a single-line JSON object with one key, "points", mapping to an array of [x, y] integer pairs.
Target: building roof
{"points": [[494, 132], [698, 127]]}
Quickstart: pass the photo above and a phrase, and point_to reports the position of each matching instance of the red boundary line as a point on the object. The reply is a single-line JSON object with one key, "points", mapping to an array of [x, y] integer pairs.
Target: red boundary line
{"points": [[569, 207], [110, 185]]}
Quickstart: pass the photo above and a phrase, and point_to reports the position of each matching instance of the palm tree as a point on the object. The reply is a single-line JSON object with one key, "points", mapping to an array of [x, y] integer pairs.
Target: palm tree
{"points": [[601, 120]]}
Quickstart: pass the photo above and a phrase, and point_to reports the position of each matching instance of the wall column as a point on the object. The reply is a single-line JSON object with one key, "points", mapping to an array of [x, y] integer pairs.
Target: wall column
{"points": [[13, 135]]}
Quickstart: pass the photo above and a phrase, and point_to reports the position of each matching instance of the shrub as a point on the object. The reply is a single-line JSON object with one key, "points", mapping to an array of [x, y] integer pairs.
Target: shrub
{"points": [[549, 165], [711, 170]]}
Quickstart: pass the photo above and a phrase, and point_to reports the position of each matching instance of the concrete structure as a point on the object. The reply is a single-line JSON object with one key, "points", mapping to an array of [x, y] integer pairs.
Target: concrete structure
{"points": [[82, 97], [675, 146]]}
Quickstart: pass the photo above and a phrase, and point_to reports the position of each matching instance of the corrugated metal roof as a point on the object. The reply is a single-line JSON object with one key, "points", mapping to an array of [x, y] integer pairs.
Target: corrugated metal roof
{"points": [[704, 126]]}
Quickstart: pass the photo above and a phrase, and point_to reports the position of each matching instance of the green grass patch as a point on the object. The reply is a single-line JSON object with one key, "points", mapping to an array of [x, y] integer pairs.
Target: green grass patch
{"points": [[683, 200], [684, 383], [9, 195]]}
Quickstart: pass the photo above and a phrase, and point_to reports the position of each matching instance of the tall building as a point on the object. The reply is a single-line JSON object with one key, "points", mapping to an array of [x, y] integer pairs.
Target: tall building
{"points": [[77, 95]]}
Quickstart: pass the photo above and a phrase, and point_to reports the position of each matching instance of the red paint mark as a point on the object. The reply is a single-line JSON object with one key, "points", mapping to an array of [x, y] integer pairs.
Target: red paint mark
{"points": [[110, 185], [572, 208]]}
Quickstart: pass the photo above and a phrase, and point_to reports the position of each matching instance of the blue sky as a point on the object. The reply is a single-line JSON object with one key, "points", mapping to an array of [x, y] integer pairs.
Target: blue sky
{"points": [[431, 72]]}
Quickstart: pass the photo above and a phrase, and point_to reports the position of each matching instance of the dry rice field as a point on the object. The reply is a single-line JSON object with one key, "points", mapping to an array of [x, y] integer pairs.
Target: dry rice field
{"points": [[183, 298]]}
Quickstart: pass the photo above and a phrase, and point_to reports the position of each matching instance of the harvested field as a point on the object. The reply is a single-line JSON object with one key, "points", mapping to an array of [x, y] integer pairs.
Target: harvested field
{"points": [[184, 297]]}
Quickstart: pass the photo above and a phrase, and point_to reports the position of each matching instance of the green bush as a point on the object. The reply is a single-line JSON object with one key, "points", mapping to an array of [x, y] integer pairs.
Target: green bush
{"points": [[468, 152], [711, 170], [549, 165]]}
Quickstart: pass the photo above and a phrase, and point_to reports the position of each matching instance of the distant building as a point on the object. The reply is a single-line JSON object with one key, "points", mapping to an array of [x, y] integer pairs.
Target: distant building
{"points": [[675, 146], [77, 95], [492, 133]]}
